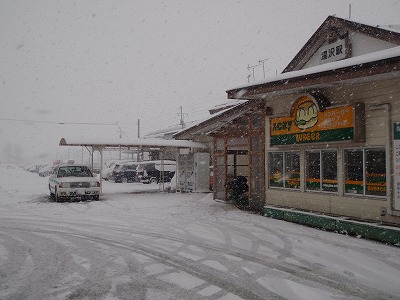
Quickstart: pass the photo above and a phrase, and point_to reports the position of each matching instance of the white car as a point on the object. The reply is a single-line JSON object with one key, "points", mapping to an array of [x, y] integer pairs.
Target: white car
{"points": [[106, 173], [46, 170], [70, 181]]}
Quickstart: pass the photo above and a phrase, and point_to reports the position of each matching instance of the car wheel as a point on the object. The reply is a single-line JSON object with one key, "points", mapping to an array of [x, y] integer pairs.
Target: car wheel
{"points": [[153, 180], [51, 194], [95, 198], [56, 197]]}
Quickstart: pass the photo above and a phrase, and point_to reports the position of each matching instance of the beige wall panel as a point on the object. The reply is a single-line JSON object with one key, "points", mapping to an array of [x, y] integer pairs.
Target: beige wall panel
{"points": [[317, 202], [358, 207], [376, 141], [367, 208], [284, 198], [366, 92], [376, 123], [395, 111], [281, 105], [306, 201]]}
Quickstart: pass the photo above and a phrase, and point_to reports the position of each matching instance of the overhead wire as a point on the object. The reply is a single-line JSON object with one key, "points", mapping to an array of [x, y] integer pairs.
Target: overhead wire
{"points": [[55, 122]]}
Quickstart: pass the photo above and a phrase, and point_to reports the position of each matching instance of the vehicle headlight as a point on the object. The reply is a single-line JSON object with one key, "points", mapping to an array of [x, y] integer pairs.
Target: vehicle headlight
{"points": [[64, 185], [95, 184]]}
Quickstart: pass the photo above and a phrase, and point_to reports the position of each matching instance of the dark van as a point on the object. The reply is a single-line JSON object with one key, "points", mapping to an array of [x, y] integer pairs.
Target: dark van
{"points": [[156, 171], [125, 172]]}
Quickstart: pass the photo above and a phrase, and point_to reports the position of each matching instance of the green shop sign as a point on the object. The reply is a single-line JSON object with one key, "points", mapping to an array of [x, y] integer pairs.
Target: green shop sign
{"points": [[308, 123]]}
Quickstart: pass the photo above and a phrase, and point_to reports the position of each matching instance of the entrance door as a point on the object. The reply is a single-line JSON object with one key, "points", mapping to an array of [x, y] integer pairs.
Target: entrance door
{"points": [[237, 164]]}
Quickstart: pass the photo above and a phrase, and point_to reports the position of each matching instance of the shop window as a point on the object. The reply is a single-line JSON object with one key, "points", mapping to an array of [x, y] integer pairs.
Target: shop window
{"points": [[284, 170], [276, 169], [321, 171], [375, 170], [354, 171], [242, 165], [230, 165], [237, 163], [313, 177], [329, 171], [365, 171]]}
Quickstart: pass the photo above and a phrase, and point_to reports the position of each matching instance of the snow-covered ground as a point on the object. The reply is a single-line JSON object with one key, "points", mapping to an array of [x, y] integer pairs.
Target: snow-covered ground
{"points": [[136, 243]]}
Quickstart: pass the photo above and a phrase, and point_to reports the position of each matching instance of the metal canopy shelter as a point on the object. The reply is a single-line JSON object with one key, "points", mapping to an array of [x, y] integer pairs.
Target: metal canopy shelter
{"points": [[100, 144]]}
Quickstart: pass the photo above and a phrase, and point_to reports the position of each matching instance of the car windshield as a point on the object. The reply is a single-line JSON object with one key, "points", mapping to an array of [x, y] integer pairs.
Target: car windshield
{"points": [[74, 171]]}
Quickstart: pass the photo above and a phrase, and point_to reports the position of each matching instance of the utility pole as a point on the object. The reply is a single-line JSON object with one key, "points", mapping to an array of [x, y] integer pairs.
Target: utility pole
{"points": [[182, 121], [262, 61], [138, 128], [349, 11], [119, 130], [252, 67], [120, 136]]}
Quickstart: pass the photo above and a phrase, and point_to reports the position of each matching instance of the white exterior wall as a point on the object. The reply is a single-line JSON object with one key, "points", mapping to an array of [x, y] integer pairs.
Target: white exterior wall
{"points": [[360, 44]]}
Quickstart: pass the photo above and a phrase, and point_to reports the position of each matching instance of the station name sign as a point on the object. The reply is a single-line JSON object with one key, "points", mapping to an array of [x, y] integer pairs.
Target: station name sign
{"points": [[333, 52], [309, 122]]}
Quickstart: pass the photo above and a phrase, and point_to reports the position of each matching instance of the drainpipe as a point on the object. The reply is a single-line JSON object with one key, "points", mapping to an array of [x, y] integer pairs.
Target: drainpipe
{"points": [[101, 170], [389, 157], [91, 159], [162, 177]]}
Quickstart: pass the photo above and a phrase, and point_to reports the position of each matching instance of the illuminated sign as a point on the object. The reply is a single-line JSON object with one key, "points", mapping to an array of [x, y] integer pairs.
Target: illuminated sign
{"points": [[309, 122]]}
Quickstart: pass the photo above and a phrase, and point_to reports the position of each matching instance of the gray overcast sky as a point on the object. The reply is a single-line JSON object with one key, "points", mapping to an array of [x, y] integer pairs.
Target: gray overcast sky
{"points": [[120, 61]]}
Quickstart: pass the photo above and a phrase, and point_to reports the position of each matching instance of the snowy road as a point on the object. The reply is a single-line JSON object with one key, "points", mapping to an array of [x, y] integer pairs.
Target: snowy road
{"points": [[133, 245]]}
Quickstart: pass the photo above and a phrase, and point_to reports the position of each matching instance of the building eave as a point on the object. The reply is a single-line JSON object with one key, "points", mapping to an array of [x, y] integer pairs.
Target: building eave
{"points": [[368, 71], [216, 122]]}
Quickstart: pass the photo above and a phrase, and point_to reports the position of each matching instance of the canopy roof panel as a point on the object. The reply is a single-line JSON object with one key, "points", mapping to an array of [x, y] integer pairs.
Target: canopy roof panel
{"points": [[134, 143]]}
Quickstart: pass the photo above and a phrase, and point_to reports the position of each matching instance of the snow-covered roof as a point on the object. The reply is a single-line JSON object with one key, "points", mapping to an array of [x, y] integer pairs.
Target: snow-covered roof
{"points": [[362, 68], [150, 143], [359, 60], [161, 133], [394, 27], [209, 117], [217, 120]]}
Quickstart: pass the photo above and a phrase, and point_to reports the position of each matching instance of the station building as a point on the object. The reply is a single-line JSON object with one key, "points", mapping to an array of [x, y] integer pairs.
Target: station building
{"points": [[322, 136]]}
